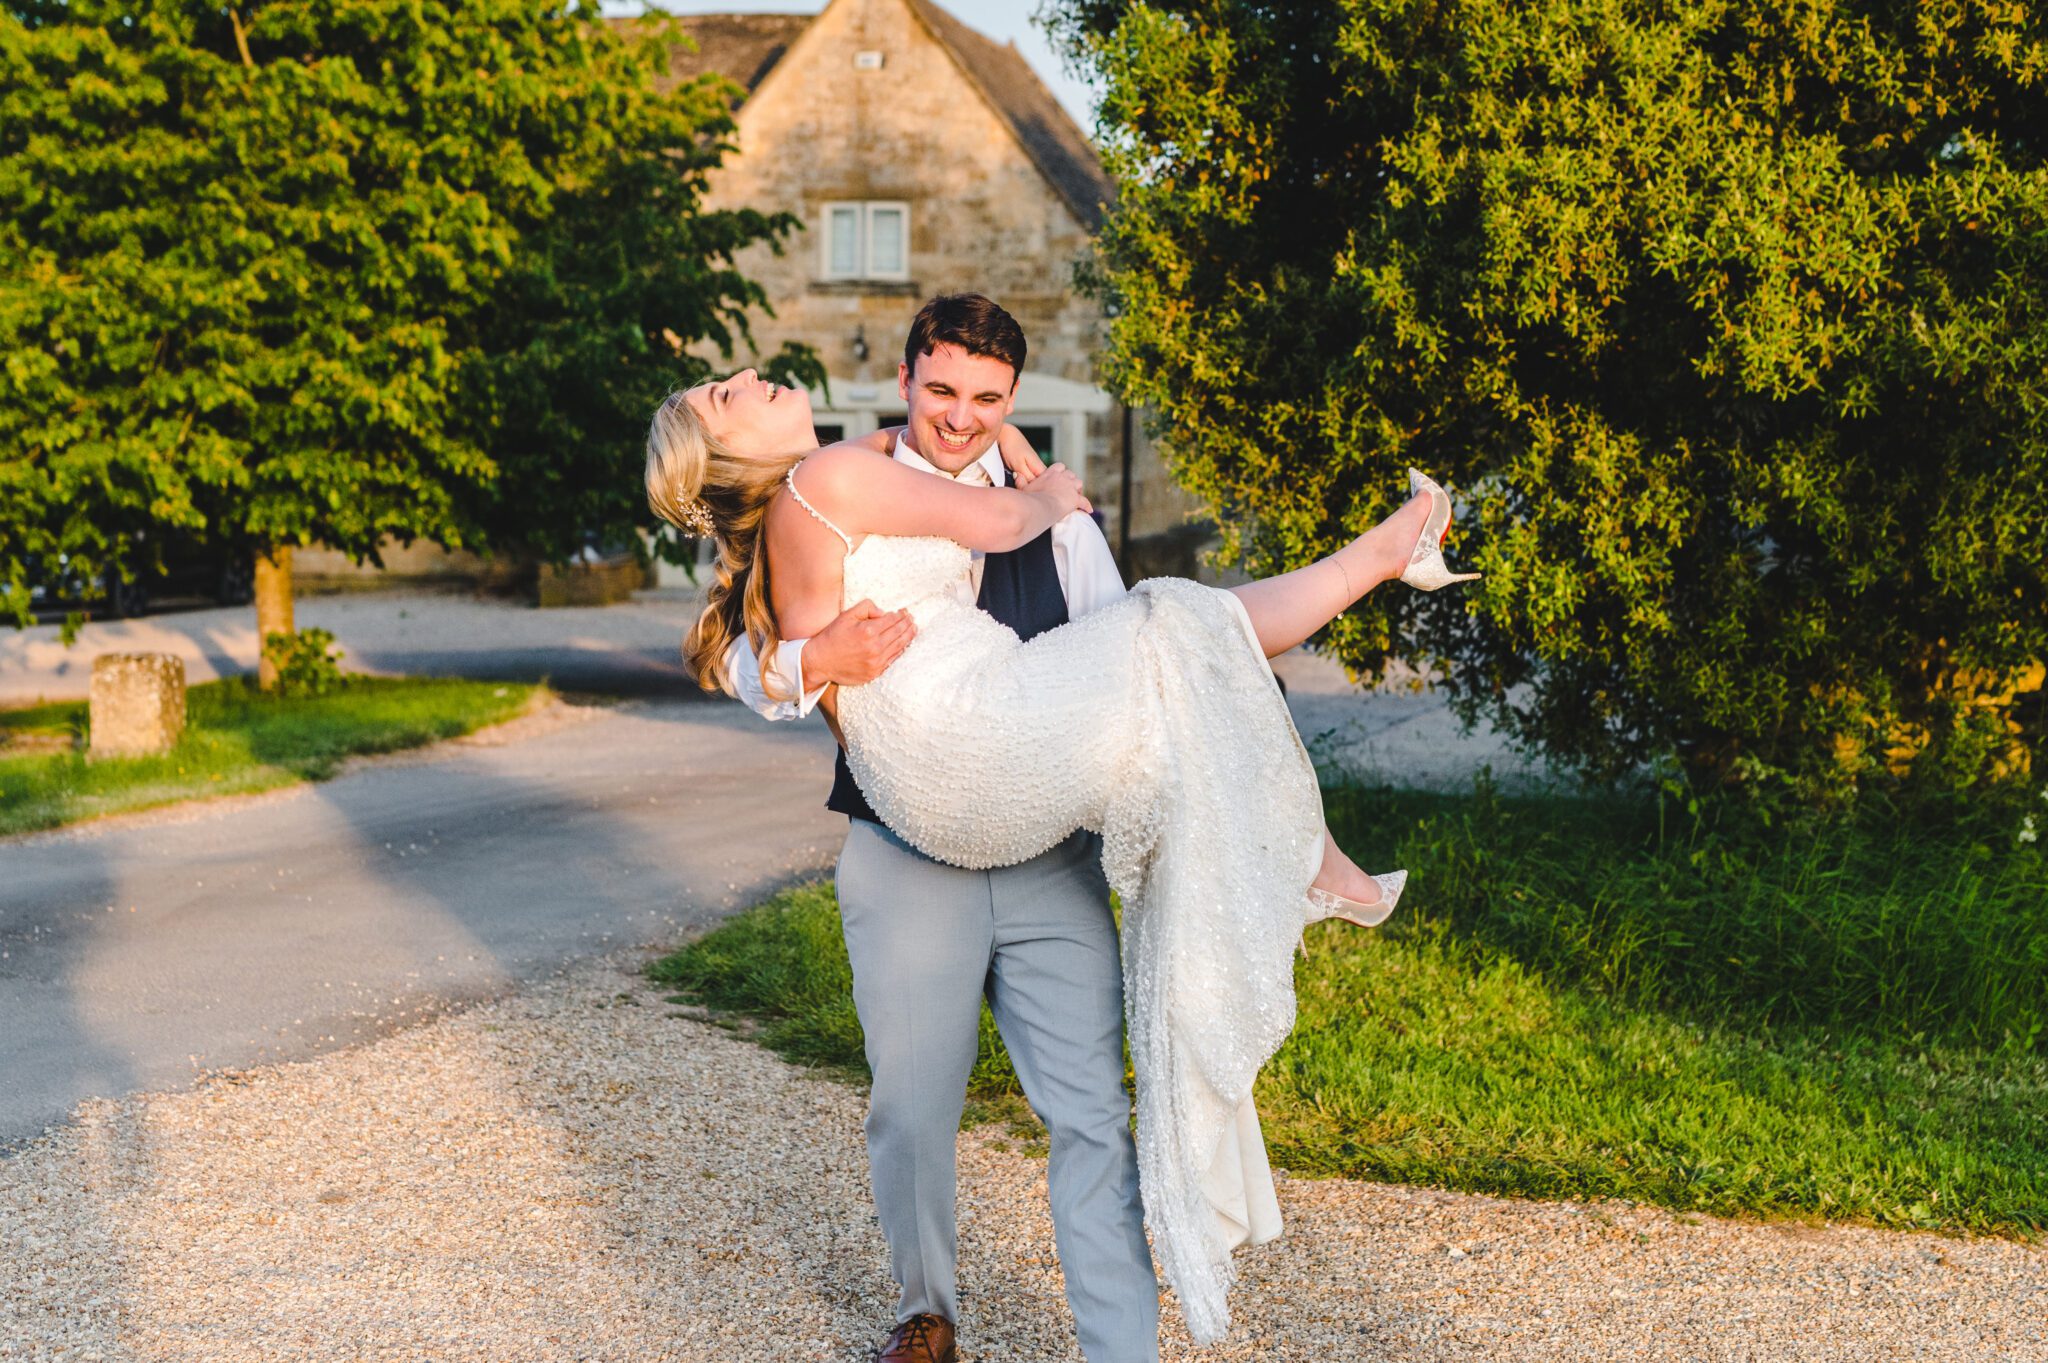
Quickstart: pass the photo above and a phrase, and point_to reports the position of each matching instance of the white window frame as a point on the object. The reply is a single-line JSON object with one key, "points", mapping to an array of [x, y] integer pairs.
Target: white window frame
{"points": [[864, 251], [1057, 421]]}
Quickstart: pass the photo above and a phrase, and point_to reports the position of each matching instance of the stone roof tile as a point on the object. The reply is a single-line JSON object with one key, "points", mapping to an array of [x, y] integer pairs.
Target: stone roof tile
{"points": [[741, 47], [1062, 151]]}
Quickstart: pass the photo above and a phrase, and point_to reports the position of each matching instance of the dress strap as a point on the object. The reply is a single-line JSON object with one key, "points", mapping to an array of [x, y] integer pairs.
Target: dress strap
{"points": [[790, 478]]}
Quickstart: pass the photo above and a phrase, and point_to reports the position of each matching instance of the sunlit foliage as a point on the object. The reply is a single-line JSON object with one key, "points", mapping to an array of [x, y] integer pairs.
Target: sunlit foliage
{"points": [[336, 270], [1727, 323]]}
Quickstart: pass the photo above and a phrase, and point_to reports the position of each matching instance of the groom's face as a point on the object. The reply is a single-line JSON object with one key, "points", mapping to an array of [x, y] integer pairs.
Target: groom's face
{"points": [[957, 402]]}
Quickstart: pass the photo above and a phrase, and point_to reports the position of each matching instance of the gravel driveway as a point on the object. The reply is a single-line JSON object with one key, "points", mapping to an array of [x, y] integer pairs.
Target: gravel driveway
{"points": [[582, 1172]]}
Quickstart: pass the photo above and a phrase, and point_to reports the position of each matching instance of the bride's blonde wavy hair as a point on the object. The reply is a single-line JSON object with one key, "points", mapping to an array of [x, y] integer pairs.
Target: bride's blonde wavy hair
{"points": [[691, 472]]}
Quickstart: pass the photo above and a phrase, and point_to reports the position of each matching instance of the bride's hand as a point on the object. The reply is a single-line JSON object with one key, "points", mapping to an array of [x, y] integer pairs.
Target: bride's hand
{"points": [[1018, 456], [1061, 487]]}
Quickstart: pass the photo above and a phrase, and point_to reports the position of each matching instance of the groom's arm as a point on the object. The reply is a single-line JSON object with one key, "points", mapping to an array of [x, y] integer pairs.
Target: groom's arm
{"points": [[1088, 571], [853, 650], [743, 669]]}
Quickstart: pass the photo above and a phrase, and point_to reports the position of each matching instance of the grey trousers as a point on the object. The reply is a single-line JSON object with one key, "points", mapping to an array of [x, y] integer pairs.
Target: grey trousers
{"points": [[927, 942]]}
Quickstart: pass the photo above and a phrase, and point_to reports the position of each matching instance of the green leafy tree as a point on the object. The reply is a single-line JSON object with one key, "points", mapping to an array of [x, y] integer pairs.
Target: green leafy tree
{"points": [[1726, 323], [341, 271], [601, 312]]}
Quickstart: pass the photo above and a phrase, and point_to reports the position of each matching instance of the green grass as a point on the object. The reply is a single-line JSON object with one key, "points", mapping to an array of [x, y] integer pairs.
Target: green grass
{"points": [[1928, 922], [1423, 1059], [236, 740], [1837, 1019]]}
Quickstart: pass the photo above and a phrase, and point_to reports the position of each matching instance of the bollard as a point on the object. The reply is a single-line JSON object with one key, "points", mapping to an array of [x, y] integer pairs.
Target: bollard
{"points": [[138, 703]]}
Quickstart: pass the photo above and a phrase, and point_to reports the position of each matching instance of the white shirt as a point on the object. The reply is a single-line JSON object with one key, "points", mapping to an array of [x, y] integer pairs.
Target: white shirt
{"points": [[1080, 555]]}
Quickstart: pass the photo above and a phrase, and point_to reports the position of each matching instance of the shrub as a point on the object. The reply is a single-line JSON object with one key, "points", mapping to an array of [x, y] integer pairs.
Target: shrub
{"points": [[1727, 324], [307, 662]]}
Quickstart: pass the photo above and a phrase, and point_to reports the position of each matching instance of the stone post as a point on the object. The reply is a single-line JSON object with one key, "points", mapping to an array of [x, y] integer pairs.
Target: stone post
{"points": [[138, 703]]}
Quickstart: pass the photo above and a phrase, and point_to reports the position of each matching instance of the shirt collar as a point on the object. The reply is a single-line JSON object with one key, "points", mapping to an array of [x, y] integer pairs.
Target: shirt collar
{"points": [[991, 462]]}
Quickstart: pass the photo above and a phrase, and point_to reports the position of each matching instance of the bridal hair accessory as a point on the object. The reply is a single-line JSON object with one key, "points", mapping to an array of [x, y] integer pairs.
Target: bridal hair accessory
{"points": [[695, 517], [693, 514]]}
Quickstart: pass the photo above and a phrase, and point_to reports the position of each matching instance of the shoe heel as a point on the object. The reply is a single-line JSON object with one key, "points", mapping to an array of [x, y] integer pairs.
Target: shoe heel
{"points": [[1428, 574], [1426, 569]]}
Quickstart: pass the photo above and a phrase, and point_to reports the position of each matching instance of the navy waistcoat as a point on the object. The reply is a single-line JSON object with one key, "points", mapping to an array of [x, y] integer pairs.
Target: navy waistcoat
{"points": [[1021, 589]]}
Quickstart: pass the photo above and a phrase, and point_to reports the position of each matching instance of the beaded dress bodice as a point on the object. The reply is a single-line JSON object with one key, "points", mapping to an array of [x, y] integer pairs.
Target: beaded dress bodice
{"points": [[1155, 722], [902, 571]]}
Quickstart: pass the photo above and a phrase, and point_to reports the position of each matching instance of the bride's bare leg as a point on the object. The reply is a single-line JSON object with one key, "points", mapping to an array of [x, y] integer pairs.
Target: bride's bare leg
{"points": [[1341, 876], [1288, 608]]}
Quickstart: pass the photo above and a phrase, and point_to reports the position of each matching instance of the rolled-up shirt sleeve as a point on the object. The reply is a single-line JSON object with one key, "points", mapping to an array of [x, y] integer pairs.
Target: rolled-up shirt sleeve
{"points": [[744, 669]]}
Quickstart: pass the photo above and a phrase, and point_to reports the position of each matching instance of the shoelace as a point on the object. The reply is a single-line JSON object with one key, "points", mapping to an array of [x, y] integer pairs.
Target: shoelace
{"points": [[917, 1331]]}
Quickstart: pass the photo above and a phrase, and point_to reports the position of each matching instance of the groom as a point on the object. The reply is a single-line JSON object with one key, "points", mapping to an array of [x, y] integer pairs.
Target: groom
{"points": [[929, 942]]}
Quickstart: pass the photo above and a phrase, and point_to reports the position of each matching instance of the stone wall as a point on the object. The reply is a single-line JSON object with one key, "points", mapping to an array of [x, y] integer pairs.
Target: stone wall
{"points": [[819, 129], [420, 564], [1170, 528]]}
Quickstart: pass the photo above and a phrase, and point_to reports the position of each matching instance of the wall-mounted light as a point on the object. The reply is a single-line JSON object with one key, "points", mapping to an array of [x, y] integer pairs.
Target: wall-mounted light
{"points": [[860, 344]]}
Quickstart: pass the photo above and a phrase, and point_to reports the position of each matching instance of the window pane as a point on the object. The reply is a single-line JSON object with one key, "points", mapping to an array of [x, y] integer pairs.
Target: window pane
{"points": [[845, 229], [830, 433], [1040, 438], [887, 243]]}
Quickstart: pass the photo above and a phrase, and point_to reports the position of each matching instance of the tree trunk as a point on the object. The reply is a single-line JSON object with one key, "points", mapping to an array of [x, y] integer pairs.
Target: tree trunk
{"points": [[273, 607]]}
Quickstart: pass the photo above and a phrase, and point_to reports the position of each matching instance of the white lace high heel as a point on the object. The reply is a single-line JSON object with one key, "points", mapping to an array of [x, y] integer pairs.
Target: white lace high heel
{"points": [[1322, 904], [1426, 569]]}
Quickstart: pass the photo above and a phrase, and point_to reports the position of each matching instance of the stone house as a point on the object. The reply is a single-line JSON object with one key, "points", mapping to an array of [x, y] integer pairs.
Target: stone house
{"points": [[922, 157]]}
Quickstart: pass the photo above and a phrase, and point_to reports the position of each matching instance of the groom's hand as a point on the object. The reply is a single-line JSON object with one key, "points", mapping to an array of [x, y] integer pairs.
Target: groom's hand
{"points": [[857, 647]]}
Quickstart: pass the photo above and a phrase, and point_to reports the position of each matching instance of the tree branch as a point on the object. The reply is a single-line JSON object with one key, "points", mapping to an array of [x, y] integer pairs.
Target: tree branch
{"points": [[241, 38]]}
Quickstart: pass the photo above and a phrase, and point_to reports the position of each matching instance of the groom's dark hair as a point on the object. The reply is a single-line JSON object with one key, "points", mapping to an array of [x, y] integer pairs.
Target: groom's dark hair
{"points": [[973, 323]]}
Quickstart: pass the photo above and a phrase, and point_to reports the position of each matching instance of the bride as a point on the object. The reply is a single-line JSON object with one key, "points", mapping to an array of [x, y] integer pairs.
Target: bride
{"points": [[1154, 721]]}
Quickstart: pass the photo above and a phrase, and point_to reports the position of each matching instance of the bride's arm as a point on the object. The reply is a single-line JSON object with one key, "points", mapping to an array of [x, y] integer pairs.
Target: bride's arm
{"points": [[1023, 462], [868, 495], [1018, 455], [881, 440]]}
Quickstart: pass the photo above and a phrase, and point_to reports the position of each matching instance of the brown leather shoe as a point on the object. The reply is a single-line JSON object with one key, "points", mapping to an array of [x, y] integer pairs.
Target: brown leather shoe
{"points": [[924, 1338]]}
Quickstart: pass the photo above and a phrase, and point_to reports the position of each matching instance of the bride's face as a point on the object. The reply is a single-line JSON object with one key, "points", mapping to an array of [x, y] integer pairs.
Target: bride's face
{"points": [[751, 416]]}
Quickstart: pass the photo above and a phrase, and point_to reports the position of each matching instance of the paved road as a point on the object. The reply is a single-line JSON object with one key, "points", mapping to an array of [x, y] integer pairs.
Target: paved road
{"points": [[629, 649], [135, 952], [1398, 732]]}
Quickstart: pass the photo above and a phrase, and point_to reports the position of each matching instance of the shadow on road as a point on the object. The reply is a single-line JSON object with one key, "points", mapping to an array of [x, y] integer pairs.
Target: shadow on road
{"points": [[644, 673], [60, 1040], [279, 927]]}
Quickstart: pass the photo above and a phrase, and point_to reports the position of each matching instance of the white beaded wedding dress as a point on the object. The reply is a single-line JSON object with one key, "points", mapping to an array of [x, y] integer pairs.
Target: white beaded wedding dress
{"points": [[1155, 722]]}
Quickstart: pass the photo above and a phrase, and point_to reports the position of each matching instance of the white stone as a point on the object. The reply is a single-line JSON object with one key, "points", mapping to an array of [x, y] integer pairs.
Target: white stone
{"points": [[138, 703]]}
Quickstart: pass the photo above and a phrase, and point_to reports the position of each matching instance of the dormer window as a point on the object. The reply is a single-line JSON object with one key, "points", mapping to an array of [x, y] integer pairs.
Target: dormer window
{"points": [[867, 240]]}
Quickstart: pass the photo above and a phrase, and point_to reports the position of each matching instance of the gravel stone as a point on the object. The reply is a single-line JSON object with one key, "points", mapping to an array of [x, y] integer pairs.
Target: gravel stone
{"points": [[585, 1172]]}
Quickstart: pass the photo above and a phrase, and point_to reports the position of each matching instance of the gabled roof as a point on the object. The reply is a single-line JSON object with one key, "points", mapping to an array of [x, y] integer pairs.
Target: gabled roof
{"points": [[741, 47], [1062, 151], [745, 48]]}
